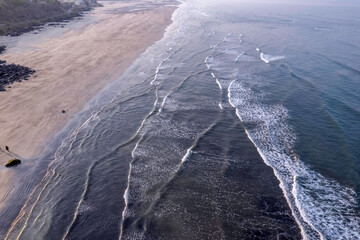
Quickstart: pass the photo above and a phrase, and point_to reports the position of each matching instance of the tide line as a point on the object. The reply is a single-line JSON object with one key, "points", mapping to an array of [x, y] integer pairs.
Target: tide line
{"points": [[176, 88], [191, 148], [184, 159], [32, 209], [86, 187], [126, 193], [52, 169]]}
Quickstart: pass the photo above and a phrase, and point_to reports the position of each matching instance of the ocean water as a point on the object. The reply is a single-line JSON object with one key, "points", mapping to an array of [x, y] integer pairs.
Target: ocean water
{"points": [[241, 123]]}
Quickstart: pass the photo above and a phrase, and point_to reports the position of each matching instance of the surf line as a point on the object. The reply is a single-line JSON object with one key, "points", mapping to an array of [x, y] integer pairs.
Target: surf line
{"points": [[93, 165], [153, 110], [291, 203], [174, 89], [48, 193], [227, 36], [157, 71], [46, 179], [90, 170], [86, 188], [52, 169], [31, 210], [126, 193], [184, 159], [298, 205], [154, 81], [216, 79], [191, 148]]}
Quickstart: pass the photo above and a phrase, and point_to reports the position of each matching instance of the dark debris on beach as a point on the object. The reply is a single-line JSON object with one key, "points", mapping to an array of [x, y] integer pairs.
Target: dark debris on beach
{"points": [[10, 73], [2, 49]]}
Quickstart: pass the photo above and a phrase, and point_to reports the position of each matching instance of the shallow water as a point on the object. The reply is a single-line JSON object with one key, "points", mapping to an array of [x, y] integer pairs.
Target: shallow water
{"points": [[241, 123]]}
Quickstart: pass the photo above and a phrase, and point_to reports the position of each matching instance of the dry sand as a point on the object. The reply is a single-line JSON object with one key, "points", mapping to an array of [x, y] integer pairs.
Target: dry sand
{"points": [[70, 70], [72, 66]]}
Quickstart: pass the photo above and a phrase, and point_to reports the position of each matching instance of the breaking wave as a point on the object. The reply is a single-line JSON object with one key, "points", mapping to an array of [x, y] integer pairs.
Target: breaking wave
{"points": [[323, 208]]}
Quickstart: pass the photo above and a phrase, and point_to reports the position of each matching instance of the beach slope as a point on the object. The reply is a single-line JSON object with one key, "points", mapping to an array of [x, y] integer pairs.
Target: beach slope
{"points": [[72, 65]]}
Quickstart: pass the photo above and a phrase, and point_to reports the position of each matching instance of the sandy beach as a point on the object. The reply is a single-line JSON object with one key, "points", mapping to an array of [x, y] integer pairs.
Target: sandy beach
{"points": [[70, 70], [71, 66]]}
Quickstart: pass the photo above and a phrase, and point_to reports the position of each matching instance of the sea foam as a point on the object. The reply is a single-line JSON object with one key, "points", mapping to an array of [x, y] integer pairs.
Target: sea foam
{"points": [[270, 58], [323, 208]]}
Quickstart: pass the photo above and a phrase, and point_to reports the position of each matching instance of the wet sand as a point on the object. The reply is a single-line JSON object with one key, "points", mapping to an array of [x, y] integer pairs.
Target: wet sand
{"points": [[72, 65]]}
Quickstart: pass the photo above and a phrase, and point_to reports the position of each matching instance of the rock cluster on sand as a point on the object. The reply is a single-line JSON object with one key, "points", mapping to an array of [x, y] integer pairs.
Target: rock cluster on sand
{"points": [[12, 162], [10, 73], [2, 49]]}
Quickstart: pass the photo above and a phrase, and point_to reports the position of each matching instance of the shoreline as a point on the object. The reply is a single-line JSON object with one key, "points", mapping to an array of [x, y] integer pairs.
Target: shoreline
{"points": [[93, 55]]}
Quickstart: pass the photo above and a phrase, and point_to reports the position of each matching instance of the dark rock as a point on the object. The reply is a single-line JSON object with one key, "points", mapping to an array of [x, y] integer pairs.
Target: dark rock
{"points": [[12, 162], [63, 111], [2, 49], [10, 73], [54, 24]]}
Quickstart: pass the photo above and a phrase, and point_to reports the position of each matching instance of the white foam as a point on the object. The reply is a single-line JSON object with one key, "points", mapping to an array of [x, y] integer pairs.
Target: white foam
{"points": [[137, 133], [237, 58], [270, 58], [323, 29], [155, 80], [188, 153], [190, 149], [322, 207], [220, 106], [207, 62], [162, 104], [203, 13], [217, 81], [227, 36], [156, 74]]}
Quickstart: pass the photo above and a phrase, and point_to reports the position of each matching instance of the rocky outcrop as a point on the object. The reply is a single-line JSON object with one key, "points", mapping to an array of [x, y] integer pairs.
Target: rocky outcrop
{"points": [[2, 49], [87, 3], [19, 16], [13, 162], [10, 73]]}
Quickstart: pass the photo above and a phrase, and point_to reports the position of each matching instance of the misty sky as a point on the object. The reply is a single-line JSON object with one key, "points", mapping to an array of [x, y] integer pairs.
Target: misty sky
{"points": [[301, 2]]}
